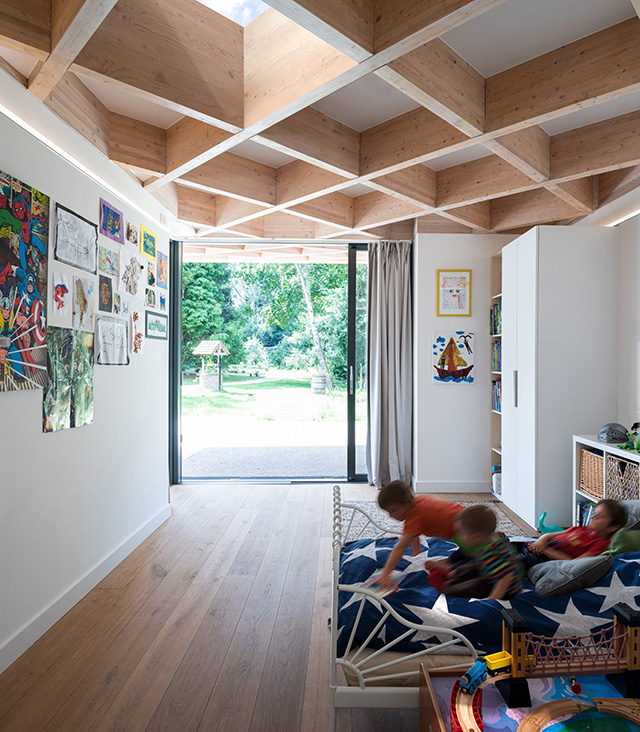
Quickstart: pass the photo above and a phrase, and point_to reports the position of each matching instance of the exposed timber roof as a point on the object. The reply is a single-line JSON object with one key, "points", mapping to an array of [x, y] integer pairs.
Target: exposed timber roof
{"points": [[347, 119]]}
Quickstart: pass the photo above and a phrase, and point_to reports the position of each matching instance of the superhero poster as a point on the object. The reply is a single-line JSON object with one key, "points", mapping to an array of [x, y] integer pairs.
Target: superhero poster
{"points": [[68, 397], [24, 240]]}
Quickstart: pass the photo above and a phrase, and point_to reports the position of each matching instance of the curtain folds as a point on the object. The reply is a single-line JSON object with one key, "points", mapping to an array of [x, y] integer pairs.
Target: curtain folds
{"points": [[390, 363]]}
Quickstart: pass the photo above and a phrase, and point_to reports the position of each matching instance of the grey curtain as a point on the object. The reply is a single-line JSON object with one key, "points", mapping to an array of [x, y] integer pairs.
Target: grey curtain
{"points": [[390, 363]]}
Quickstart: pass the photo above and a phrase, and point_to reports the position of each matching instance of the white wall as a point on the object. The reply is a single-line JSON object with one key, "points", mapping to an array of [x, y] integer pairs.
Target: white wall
{"points": [[629, 323], [451, 421], [74, 503]]}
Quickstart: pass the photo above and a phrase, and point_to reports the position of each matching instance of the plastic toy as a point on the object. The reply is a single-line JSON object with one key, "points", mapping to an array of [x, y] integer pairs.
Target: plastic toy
{"points": [[546, 529], [575, 686]]}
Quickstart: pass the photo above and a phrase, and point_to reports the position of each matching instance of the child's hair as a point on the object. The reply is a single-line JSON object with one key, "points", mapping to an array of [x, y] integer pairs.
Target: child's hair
{"points": [[617, 512], [394, 493], [477, 519]]}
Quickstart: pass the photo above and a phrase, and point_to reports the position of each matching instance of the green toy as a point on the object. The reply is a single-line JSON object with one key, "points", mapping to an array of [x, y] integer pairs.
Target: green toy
{"points": [[546, 529]]}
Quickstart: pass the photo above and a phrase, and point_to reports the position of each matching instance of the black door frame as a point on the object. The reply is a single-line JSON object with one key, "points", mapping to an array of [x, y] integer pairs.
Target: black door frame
{"points": [[352, 476]]}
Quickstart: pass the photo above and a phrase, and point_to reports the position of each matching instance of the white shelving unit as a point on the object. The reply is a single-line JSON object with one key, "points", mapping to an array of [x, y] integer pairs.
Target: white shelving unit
{"points": [[495, 331], [618, 475]]}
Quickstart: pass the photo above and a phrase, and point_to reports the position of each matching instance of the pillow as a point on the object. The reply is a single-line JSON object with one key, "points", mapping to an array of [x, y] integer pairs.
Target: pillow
{"points": [[561, 576], [633, 514], [624, 540]]}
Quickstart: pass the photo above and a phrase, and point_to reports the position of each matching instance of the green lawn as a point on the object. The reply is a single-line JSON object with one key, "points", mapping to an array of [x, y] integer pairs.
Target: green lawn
{"points": [[273, 396]]}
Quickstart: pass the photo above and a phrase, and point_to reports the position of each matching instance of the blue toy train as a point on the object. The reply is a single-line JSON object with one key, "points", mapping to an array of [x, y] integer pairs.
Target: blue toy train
{"points": [[471, 679]]}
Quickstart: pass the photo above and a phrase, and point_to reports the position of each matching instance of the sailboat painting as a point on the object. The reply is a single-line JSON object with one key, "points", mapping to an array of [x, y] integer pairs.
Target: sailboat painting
{"points": [[453, 357]]}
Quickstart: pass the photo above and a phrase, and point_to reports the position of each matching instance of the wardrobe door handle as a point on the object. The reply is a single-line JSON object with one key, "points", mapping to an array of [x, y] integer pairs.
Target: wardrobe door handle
{"points": [[515, 388]]}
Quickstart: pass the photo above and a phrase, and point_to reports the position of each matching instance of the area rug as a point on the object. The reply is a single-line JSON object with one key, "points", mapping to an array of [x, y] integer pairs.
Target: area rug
{"points": [[384, 520]]}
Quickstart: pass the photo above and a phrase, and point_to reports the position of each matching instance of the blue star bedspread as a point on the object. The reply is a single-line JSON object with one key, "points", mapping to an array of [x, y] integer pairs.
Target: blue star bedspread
{"points": [[579, 613]]}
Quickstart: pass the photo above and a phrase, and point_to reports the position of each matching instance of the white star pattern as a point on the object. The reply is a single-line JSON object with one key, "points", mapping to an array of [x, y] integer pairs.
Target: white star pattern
{"points": [[615, 593], [439, 616], [572, 622], [368, 551]]}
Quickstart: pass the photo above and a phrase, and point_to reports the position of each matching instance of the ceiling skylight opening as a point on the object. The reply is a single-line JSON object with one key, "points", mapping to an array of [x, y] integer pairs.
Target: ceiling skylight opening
{"points": [[240, 11]]}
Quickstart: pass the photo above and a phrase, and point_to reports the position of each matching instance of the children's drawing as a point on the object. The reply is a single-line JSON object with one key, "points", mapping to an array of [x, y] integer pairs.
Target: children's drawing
{"points": [[163, 270], [108, 262], [112, 341], [84, 303], [148, 243], [111, 222], [454, 292], [105, 294], [137, 333], [68, 396], [156, 326], [76, 240], [453, 357], [61, 293], [125, 306], [163, 303], [132, 233], [151, 274], [24, 237], [150, 298], [131, 269], [117, 303]]}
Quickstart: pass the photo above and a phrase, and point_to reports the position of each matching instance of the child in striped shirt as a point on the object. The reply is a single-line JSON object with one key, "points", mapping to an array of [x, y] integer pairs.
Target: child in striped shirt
{"points": [[494, 570]]}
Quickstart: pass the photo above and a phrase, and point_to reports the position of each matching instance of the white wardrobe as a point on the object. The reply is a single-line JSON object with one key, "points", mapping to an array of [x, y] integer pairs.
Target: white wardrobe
{"points": [[559, 354]]}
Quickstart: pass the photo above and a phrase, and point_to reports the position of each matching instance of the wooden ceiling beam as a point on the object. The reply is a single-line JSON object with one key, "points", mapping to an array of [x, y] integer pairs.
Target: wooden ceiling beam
{"points": [[190, 138], [233, 175], [25, 26], [397, 231], [580, 193], [347, 25], [479, 180], [528, 150], [73, 22], [315, 138], [202, 58], [196, 207], [334, 208], [601, 67], [377, 209], [617, 183], [528, 209], [410, 138], [416, 184], [597, 148], [137, 144], [231, 211], [435, 224], [475, 215], [403, 24], [441, 81], [283, 225], [79, 107], [300, 180]]}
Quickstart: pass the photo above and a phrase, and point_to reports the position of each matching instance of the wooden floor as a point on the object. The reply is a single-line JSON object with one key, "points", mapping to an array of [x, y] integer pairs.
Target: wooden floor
{"points": [[216, 623]]}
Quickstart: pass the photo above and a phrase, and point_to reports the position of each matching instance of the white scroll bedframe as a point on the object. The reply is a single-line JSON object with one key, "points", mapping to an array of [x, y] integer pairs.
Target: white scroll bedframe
{"points": [[377, 673]]}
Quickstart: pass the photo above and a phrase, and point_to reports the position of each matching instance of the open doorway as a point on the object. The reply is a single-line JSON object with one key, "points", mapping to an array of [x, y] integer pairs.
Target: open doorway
{"points": [[272, 362]]}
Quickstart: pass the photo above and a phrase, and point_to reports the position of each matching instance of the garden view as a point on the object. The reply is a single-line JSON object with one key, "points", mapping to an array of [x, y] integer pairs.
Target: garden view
{"points": [[282, 407]]}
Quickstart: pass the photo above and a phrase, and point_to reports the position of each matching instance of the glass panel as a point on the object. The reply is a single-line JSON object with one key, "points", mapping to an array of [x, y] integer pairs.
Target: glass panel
{"points": [[360, 364]]}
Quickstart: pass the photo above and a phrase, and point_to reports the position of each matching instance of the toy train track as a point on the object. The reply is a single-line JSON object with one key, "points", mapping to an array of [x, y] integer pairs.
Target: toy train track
{"points": [[466, 715], [546, 713]]}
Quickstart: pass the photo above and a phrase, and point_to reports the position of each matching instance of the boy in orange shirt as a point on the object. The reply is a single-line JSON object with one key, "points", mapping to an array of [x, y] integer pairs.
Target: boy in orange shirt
{"points": [[422, 515]]}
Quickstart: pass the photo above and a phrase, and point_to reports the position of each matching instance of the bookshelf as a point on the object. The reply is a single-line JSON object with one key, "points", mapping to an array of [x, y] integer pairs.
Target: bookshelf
{"points": [[495, 332]]}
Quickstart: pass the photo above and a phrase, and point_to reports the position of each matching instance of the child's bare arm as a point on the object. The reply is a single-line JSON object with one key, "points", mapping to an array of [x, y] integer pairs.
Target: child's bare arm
{"points": [[396, 554], [443, 564], [539, 545]]}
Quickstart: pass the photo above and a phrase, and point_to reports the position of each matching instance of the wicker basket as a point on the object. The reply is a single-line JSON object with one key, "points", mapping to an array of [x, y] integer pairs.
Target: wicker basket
{"points": [[591, 473], [622, 479]]}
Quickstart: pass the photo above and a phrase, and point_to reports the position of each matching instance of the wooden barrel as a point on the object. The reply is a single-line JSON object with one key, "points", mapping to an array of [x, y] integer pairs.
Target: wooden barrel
{"points": [[318, 384]]}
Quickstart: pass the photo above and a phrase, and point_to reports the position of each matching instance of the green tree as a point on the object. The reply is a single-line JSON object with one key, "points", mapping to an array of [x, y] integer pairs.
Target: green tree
{"points": [[208, 310]]}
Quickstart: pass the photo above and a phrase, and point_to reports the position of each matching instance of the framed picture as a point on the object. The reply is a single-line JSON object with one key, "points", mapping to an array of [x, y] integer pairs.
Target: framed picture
{"points": [[111, 222], [453, 357], [148, 243], [76, 240], [454, 292], [156, 326]]}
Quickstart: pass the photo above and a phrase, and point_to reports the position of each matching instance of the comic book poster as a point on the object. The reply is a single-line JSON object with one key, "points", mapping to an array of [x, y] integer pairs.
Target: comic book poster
{"points": [[24, 246], [68, 397]]}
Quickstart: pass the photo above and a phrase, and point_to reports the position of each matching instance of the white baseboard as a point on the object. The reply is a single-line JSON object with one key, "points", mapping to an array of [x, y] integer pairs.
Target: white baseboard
{"points": [[39, 625], [435, 486]]}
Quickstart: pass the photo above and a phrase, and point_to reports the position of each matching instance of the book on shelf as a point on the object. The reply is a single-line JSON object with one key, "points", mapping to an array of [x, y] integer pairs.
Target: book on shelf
{"points": [[496, 395], [584, 512], [496, 355], [495, 319]]}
